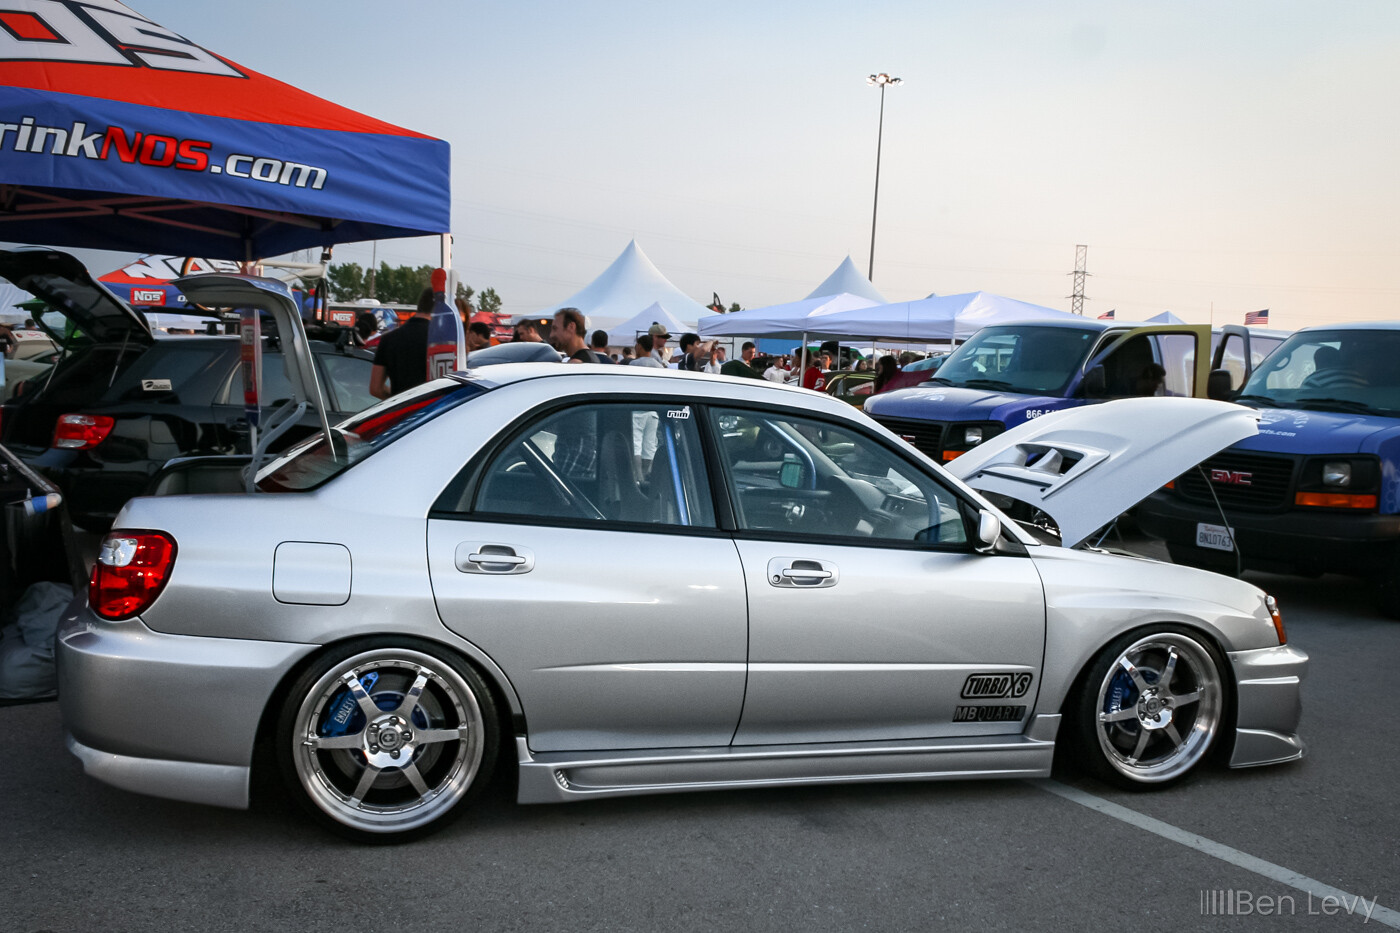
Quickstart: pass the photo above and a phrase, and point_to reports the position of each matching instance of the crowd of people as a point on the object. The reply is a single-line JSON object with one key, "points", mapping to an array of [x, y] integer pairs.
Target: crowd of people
{"points": [[400, 355]]}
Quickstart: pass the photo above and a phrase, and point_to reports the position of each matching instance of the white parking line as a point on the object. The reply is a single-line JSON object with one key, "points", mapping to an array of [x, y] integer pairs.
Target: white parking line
{"points": [[1311, 886]]}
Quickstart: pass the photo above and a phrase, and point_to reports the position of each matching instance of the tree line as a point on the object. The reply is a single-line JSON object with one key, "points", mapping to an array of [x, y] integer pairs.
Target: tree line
{"points": [[349, 281]]}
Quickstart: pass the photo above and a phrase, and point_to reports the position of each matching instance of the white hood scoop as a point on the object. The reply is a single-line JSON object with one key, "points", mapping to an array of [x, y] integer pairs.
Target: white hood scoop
{"points": [[1086, 466]]}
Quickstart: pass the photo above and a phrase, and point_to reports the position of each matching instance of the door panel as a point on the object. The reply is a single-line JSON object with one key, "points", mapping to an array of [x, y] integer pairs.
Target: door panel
{"points": [[885, 652], [612, 639], [868, 610]]}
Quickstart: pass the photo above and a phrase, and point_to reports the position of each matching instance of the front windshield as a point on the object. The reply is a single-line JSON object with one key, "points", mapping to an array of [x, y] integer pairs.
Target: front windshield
{"points": [[1330, 370], [1029, 359]]}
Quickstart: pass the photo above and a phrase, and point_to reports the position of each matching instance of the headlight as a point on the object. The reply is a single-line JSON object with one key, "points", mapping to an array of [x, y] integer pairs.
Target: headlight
{"points": [[1336, 473], [973, 436]]}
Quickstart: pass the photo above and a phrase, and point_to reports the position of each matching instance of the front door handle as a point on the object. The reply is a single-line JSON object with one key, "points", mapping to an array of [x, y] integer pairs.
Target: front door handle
{"points": [[473, 557], [802, 572]]}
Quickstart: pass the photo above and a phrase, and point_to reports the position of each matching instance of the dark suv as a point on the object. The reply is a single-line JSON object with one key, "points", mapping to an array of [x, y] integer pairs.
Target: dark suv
{"points": [[121, 401]]}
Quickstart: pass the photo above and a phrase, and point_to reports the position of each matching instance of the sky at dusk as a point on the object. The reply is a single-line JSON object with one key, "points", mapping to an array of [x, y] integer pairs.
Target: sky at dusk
{"points": [[1227, 155]]}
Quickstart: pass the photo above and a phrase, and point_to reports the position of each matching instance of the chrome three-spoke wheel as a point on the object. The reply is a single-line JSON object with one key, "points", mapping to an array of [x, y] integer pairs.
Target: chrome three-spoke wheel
{"points": [[1151, 707], [384, 740]]}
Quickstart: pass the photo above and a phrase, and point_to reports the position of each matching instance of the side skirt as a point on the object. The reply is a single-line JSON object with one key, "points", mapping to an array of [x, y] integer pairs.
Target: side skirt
{"points": [[560, 777]]}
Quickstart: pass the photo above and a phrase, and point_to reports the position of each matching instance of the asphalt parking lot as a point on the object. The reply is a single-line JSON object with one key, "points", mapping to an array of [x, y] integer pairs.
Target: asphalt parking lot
{"points": [[987, 855]]}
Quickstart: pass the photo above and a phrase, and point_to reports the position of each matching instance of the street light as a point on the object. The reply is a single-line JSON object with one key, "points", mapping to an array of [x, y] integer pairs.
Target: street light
{"points": [[881, 81]]}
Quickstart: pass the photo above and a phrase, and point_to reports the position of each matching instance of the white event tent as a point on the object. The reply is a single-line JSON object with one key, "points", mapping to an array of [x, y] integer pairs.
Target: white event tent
{"points": [[793, 319], [625, 289], [1166, 317], [624, 333], [847, 279], [928, 320]]}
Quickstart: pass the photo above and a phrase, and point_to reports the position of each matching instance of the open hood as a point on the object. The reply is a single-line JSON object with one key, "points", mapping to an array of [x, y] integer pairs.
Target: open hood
{"points": [[1086, 466], [63, 283], [227, 290]]}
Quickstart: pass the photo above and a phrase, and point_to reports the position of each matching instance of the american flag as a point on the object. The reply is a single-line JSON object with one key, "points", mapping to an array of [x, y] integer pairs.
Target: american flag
{"points": [[1256, 317], [1106, 316]]}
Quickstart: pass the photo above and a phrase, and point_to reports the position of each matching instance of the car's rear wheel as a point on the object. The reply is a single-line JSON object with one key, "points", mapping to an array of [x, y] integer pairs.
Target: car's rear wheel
{"points": [[1150, 707], [385, 739]]}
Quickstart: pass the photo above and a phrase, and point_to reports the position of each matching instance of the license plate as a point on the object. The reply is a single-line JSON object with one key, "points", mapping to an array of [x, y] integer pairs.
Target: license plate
{"points": [[1215, 537]]}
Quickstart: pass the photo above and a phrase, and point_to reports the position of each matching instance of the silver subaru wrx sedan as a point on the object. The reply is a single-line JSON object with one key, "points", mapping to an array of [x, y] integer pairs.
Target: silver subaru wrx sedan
{"points": [[638, 581]]}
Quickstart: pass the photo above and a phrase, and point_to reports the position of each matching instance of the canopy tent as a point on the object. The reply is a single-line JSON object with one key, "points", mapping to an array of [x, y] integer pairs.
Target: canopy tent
{"points": [[624, 333], [792, 320], [116, 133], [929, 320], [848, 279], [624, 289], [146, 282], [1166, 317]]}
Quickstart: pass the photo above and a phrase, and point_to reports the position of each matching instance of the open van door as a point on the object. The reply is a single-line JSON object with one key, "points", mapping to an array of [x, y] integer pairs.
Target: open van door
{"points": [[1119, 367]]}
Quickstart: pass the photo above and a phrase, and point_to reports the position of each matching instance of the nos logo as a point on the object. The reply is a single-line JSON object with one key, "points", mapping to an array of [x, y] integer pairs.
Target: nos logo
{"points": [[996, 686], [99, 32]]}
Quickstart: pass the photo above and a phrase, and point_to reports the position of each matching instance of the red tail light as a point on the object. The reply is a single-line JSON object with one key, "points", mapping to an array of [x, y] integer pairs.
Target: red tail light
{"points": [[81, 432], [131, 570]]}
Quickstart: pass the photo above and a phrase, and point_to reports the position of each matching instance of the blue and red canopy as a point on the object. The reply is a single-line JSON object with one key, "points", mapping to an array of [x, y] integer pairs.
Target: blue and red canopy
{"points": [[117, 133]]}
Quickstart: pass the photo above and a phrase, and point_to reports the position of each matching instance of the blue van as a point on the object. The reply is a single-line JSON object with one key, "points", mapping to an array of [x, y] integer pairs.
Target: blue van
{"points": [[1318, 489], [1008, 374]]}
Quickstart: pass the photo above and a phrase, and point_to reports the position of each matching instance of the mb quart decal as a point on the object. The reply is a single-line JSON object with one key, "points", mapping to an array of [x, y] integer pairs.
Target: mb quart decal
{"points": [[989, 713]]}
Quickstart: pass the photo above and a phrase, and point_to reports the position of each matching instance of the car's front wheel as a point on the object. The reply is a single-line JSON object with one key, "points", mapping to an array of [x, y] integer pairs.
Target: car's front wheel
{"points": [[1150, 707], [384, 740]]}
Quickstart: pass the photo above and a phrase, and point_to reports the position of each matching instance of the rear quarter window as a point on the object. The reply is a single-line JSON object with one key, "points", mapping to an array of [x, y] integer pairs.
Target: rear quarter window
{"points": [[190, 372]]}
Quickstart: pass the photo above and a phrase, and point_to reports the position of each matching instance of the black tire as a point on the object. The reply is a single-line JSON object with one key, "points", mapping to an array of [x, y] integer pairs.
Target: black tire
{"points": [[1152, 736], [404, 772]]}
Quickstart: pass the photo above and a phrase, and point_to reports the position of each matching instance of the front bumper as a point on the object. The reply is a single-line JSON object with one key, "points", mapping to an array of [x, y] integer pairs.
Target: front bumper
{"points": [[1268, 705], [168, 715], [1341, 542]]}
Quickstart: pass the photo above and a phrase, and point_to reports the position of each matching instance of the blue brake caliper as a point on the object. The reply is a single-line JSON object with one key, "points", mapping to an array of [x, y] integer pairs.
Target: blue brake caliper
{"points": [[345, 716], [1122, 692]]}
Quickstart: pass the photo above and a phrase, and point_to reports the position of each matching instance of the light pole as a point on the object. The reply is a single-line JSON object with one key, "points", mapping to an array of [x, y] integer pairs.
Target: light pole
{"points": [[881, 81]]}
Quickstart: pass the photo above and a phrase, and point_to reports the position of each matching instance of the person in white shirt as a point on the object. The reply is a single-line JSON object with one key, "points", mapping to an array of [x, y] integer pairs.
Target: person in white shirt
{"points": [[659, 336], [645, 355], [716, 362], [774, 372]]}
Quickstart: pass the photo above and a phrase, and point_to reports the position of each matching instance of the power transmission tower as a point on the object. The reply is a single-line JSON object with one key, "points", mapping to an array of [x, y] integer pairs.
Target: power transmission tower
{"points": [[1081, 258]]}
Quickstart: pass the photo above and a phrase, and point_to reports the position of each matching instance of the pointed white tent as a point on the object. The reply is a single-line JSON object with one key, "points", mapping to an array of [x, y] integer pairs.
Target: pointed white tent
{"points": [[1166, 317], [787, 320], [848, 280], [622, 335], [624, 289]]}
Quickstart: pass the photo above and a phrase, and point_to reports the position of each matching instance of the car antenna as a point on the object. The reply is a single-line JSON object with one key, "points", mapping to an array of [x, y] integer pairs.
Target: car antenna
{"points": [[1234, 545]]}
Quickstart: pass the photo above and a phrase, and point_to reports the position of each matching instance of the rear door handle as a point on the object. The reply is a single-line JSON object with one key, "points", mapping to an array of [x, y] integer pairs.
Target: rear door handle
{"points": [[802, 572], [473, 557]]}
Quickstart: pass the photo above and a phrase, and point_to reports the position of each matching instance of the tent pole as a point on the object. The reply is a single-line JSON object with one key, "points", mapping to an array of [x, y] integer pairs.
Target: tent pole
{"points": [[802, 369]]}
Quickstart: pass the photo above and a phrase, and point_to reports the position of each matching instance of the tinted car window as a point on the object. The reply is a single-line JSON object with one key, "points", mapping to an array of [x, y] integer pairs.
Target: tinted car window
{"points": [[314, 461], [171, 368], [622, 462], [798, 476], [348, 380]]}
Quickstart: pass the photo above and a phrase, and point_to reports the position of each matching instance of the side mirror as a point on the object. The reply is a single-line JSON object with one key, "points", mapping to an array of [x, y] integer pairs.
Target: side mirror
{"points": [[1219, 385], [1095, 383], [988, 531]]}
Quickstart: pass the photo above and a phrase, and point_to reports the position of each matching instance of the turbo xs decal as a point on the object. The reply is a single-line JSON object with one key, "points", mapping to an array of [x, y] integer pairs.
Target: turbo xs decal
{"points": [[996, 686]]}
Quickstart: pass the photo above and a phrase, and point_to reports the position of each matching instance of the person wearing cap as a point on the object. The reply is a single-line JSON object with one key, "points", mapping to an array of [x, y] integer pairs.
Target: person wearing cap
{"points": [[659, 336]]}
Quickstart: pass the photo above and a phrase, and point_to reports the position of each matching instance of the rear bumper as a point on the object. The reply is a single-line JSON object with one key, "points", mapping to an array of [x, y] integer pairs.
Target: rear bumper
{"points": [[1326, 541], [1268, 705], [167, 715]]}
